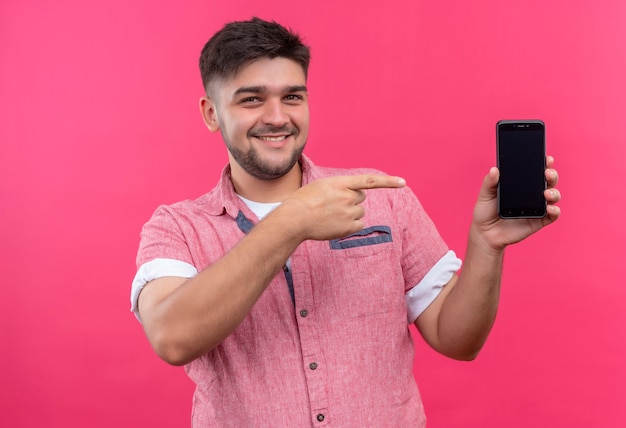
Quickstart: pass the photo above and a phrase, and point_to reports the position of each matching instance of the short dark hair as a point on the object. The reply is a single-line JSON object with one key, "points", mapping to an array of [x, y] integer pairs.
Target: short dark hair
{"points": [[242, 42]]}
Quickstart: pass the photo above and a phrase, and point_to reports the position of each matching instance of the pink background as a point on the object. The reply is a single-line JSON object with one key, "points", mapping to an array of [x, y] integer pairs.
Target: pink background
{"points": [[99, 124]]}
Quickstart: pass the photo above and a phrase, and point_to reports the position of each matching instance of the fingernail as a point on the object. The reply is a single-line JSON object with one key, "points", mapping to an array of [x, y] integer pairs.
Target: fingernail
{"points": [[401, 182]]}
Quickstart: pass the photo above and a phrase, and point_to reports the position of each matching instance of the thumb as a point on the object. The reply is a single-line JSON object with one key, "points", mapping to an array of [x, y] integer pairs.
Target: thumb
{"points": [[489, 189]]}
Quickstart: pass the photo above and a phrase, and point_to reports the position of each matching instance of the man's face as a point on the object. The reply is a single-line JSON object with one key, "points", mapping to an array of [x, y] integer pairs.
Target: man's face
{"points": [[263, 115]]}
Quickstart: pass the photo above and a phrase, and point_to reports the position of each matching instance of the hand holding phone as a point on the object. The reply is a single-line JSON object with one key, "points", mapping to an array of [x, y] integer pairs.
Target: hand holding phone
{"points": [[521, 153]]}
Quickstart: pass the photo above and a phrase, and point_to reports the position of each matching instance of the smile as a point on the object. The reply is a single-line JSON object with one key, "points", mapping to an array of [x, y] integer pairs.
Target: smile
{"points": [[273, 139]]}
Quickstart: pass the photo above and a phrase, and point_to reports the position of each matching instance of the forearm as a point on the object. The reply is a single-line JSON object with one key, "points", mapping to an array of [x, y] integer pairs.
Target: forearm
{"points": [[199, 314], [458, 322], [468, 312]]}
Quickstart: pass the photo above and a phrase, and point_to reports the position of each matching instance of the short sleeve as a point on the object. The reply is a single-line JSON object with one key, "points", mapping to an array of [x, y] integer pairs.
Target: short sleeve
{"points": [[423, 294], [157, 268], [162, 237], [422, 245], [163, 251]]}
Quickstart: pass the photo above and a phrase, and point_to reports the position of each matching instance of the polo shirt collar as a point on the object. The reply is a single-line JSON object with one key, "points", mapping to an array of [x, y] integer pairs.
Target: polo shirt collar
{"points": [[223, 199]]}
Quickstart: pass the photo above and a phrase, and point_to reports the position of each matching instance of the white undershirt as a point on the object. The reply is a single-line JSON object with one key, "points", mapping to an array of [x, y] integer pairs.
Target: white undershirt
{"points": [[260, 209]]}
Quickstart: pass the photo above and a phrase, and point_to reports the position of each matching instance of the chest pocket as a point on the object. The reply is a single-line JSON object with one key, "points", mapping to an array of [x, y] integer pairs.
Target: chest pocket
{"points": [[363, 243], [369, 282]]}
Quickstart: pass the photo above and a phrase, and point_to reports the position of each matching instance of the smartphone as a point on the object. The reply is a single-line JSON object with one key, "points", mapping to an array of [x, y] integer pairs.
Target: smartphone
{"points": [[521, 152]]}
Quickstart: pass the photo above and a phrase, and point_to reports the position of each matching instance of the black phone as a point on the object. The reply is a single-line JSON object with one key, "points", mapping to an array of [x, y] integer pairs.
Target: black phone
{"points": [[521, 152]]}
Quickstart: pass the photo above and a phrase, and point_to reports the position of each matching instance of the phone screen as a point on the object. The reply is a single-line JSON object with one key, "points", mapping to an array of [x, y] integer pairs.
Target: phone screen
{"points": [[522, 163]]}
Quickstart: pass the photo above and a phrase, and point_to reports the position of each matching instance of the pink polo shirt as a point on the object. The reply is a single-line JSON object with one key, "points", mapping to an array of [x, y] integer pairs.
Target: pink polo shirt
{"points": [[338, 352]]}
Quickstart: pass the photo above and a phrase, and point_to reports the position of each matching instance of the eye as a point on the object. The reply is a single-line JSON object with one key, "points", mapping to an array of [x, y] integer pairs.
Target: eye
{"points": [[250, 100], [294, 98]]}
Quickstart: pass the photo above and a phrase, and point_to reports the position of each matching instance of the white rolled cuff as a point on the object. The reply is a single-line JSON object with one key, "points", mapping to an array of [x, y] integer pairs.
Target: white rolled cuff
{"points": [[423, 294], [157, 268]]}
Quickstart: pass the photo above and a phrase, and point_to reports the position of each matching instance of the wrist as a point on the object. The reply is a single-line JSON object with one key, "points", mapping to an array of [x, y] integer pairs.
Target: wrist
{"points": [[290, 217], [483, 241]]}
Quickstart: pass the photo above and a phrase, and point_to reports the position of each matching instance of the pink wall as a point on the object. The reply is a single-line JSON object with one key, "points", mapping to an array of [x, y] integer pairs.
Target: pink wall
{"points": [[99, 125]]}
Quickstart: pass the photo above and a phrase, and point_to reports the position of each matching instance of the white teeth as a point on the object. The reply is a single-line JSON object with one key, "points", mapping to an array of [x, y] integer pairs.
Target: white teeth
{"points": [[273, 139]]}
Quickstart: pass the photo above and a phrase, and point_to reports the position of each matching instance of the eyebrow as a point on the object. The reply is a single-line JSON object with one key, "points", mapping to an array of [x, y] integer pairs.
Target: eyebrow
{"points": [[263, 89]]}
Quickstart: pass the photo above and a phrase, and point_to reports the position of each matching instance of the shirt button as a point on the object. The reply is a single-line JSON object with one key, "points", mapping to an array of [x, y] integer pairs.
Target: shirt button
{"points": [[304, 313], [313, 366], [320, 417]]}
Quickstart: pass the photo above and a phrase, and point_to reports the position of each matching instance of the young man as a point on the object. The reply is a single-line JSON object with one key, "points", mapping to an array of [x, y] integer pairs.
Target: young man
{"points": [[287, 290]]}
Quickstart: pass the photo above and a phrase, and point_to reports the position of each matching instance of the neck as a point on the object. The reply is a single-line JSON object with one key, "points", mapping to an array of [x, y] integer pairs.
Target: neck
{"points": [[265, 191]]}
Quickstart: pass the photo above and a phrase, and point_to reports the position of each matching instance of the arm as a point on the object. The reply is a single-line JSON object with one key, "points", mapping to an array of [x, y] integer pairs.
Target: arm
{"points": [[458, 322], [184, 319]]}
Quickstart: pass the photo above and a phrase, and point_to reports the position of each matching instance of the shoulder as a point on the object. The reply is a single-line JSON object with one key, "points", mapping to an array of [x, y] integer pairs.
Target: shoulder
{"points": [[353, 171], [188, 208], [213, 203], [323, 171], [313, 171]]}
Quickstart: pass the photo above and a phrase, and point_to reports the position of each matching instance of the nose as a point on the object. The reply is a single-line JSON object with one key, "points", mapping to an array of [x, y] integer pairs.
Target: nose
{"points": [[275, 113]]}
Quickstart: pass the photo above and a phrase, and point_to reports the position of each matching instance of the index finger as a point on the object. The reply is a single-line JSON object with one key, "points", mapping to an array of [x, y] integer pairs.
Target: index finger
{"points": [[374, 181]]}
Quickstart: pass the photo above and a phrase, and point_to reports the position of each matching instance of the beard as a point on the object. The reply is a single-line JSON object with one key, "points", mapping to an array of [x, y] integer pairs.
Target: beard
{"points": [[251, 162]]}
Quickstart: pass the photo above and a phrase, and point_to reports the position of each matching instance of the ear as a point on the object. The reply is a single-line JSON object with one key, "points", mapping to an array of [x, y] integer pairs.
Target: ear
{"points": [[209, 114]]}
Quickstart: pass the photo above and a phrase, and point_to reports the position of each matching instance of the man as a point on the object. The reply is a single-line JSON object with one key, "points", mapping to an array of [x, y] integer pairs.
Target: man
{"points": [[287, 290]]}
